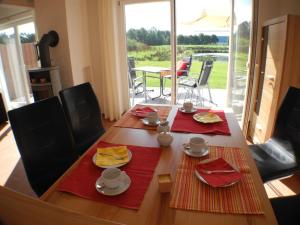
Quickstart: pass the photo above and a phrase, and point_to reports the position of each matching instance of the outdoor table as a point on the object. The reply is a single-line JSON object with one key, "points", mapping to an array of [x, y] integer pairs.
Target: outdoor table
{"points": [[161, 71]]}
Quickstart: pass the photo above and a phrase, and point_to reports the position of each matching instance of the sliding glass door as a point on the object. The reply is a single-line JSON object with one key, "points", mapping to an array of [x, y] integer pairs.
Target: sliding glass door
{"points": [[201, 47], [239, 56], [148, 32], [17, 54], [203, 30]]}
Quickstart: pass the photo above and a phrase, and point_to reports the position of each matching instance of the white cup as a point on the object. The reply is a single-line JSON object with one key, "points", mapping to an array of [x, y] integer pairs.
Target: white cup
{"points": [[188, 106], [152, 117], [197, 145], [112, 177]]}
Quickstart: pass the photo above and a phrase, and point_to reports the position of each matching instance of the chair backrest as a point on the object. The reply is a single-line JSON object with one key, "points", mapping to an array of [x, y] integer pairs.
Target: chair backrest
{"points": [[287, 124], [16, 208], [44, 140], [184, 66], [83, 112], [131, 65], [205, 72]]}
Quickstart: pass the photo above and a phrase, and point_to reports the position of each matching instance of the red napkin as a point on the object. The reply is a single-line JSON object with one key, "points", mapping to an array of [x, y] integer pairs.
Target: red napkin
{"points": [[81, 180], [142, 112], [184, 122], [218, 179]]}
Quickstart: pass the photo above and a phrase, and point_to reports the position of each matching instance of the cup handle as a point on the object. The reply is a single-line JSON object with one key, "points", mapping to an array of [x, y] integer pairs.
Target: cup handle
{"points": [[123, 175], [101, 182]]}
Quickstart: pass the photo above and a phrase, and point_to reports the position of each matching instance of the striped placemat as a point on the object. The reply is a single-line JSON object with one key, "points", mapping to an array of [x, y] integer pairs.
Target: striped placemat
{"points": [[190, 194], [131, 121]]}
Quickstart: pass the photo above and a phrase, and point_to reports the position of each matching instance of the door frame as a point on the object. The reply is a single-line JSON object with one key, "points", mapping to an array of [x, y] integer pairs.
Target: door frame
{"points": [[246, 115]]}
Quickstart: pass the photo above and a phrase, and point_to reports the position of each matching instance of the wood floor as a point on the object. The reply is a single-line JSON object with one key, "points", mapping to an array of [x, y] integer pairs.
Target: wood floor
{"points": [[12, 174]]}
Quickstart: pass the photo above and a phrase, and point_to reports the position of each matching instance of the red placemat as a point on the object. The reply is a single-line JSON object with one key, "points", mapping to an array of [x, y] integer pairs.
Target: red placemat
{"points": [[184, 122], [189, 193], [81, 181], [131, 121]]}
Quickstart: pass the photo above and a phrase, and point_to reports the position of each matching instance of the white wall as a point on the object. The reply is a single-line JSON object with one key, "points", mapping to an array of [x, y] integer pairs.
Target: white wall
{"points": [[51, 15], [78, 32]]}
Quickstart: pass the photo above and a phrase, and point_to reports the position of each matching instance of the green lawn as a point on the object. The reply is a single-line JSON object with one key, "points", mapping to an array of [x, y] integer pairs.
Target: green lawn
{"points": [[217, 79]]}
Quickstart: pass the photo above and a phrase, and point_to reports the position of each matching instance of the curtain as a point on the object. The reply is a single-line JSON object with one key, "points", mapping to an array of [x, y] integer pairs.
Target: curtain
{"points": [[109, 73]]}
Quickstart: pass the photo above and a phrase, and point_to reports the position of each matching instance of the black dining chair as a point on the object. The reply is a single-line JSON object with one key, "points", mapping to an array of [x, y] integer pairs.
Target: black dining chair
{"points": [[280, 155], [286, 209], [83, 112], [44, 140]]}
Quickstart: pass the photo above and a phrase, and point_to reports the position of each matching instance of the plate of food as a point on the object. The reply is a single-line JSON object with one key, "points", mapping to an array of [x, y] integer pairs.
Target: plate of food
{"points": [[110, 157], [207, 117]]}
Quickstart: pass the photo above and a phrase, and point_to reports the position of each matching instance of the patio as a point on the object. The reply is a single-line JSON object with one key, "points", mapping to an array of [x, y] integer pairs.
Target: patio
{"points": [[218, 96]]}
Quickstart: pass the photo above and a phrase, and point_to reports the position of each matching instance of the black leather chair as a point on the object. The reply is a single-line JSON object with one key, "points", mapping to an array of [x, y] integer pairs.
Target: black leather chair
{"points": [[280, 155], [83, 112], [286, 210], [44, 140]]}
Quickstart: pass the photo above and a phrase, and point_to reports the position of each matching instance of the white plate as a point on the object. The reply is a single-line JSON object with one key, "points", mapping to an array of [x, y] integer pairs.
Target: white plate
{"points": [[194, 154], [117, 165], [184, 111], [204, 181], [124, 185], [214, 119], [146, 122]]}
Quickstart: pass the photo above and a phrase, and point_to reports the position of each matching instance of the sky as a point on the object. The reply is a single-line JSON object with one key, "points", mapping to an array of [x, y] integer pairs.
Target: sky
{"points": [[157, 15]]}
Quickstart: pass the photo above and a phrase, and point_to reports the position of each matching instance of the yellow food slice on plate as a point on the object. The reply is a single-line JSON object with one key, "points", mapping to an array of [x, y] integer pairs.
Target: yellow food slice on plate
{"points": [[112, 156], [208, 117]]}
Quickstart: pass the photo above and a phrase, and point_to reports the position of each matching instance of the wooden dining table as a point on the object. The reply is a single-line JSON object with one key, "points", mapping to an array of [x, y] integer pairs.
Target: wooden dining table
{"points": [[155, 207]]}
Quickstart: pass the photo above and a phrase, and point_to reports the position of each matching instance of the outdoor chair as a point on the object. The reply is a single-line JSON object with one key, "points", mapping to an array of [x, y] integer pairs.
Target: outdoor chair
{"points": [[280, 155], [286, 209], [83, 112], [136, 83], [44, 140], [199, 83], [182, 69]]}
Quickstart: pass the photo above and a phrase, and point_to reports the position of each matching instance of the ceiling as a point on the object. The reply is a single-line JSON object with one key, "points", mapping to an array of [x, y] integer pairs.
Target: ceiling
{"points": [[7, 11]]}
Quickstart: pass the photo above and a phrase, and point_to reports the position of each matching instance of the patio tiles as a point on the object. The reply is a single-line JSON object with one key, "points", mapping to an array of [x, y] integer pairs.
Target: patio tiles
{"points": [[218, 96]]}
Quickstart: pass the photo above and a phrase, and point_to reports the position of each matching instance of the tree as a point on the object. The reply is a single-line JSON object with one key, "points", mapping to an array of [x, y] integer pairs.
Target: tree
{"points": [[244, 29], [27, 37]]}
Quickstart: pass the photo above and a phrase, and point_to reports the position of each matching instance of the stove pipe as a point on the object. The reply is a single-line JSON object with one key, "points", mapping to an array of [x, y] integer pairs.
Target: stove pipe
{"points": [[51, 39]]}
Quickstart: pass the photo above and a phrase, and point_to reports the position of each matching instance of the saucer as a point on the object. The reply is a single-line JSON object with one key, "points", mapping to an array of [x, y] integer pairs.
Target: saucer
{"points": [[113, 166], [194, 154], [184, 111], [124, 185], [147, 123]]}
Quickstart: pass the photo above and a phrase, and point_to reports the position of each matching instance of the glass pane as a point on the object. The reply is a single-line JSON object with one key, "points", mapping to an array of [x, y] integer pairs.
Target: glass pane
{"points": [[240, 55], [28, 39], [202, 33], [148, 29], [12, 82]]}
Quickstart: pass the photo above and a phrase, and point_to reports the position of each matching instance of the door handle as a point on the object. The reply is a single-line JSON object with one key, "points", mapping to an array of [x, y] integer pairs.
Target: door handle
{"points": [[271, 78]]}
